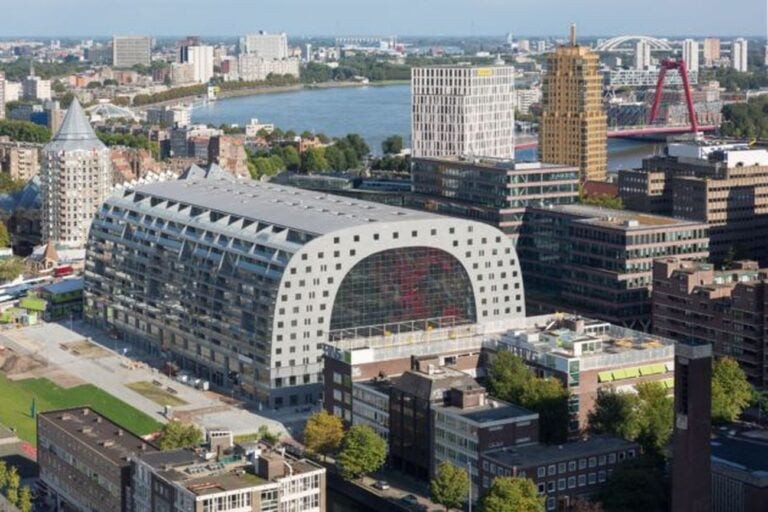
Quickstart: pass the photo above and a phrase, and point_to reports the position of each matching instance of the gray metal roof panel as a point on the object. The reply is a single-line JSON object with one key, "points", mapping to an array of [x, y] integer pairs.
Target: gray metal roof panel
{"points": [[280, 205], [75, 133]]}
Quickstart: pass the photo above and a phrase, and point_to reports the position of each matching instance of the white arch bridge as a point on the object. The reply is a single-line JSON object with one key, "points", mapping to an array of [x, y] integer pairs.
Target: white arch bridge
{"points": [[620, 43]]}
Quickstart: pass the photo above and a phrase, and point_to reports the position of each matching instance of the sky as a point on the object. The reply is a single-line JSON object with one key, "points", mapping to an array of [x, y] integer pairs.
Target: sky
{"points": [[382, 17]]}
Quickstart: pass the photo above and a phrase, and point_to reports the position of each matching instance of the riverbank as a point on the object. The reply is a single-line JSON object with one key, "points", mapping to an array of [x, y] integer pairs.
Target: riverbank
{"points": [[256, 91]]}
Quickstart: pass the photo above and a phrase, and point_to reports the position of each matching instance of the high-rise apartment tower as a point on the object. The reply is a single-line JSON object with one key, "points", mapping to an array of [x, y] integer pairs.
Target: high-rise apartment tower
{"points": [[128, 51], [463, 111], [573, 124], [691, 54]]}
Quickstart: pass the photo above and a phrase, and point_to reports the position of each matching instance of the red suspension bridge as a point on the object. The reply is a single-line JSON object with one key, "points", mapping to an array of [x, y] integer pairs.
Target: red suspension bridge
{"points": [[652, 128]]}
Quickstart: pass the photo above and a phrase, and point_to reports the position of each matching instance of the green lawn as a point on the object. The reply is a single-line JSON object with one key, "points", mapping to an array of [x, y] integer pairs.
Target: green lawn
{"points": [[16, 399], [155, 393]]}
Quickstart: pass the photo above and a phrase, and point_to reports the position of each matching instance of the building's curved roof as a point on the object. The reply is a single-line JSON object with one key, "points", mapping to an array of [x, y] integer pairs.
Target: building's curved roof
{"points": [[303, 210], [105, 111], [76, 133]]}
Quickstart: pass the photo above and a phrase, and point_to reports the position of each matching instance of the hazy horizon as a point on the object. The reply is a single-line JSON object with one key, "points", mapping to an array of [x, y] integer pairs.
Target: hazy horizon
{"points": [[418, 18]]}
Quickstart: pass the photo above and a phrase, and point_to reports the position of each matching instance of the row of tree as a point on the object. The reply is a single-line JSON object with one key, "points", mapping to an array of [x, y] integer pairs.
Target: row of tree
{"points": [[746, 120], [24, 131], [10, 487]]}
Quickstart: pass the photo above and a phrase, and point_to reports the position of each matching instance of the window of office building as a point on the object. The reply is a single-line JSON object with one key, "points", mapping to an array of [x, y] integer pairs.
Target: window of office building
{"points": [[403, 285]]}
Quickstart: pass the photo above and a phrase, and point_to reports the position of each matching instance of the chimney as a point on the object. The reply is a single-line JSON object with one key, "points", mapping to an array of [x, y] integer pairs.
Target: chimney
{"points": [[573, 34]]}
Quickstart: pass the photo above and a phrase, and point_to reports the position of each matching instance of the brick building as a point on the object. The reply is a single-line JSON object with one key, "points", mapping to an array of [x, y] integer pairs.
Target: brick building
{"points": [[19, 160], [693, 301]]}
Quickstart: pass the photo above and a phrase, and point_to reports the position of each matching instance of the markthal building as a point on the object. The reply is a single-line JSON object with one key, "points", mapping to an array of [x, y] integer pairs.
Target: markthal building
{"points": [[242, 283]]}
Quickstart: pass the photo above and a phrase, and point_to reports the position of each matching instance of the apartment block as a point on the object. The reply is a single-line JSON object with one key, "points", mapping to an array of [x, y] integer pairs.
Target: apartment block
{"points": [[711, 51], [573, 125], [722, 184], [589, 355], [20, 160], [561, 473], [253, 68], [463, 111], [265, 46], [84, 459], [694, 302], [128, 51], [599, 262], [495, 191]]}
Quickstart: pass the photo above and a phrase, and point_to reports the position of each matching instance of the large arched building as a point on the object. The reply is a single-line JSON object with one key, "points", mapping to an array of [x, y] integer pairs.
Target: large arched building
{"points": [[241, 283]]}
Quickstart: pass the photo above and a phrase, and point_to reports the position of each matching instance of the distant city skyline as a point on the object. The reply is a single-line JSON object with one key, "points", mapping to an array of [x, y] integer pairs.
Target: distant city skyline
{"points": [[401, 17]]}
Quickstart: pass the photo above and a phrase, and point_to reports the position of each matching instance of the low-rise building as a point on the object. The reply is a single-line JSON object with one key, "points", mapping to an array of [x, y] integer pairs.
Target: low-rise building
{"points": [[692, 301], [84, 459], [599, 262], [561, 473], [740, 471], [19, 160]]}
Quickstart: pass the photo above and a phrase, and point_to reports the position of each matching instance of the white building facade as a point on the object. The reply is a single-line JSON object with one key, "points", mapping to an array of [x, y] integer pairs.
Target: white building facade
{"points": [[463, 111], [739, 55], [642, 55], [266, 46], [242, 282], [75, 179], [201, 58], [691, 54], [128, 51]]}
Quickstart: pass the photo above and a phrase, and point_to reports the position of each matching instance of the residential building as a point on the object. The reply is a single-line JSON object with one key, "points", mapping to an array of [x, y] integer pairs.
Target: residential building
{"points": [[84, 459], [184, 46], [63, 300], [588, 355], [526, 98], [244, 281], [75, 179], [599, 262], [739, 470], [561, 473], [252, 67], [691, 55], [247, 479], [491, 190], [201, 58], [177, 116], [711, 51], [573, 126], [182, 74], [462, 111], [692, 301], [129, 51], [723, 184], [19, 160], [228, 151], [35, 88], [642, 55], [739, 60], [265, 46], [691, 439]]}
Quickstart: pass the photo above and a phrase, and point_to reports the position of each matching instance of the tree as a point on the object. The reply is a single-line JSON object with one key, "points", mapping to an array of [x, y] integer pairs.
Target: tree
{"points": [[314, 160], [323, 433], [509, 494], [5, 238], [584, 505], [637, 485], [25, 499], [364, 451], [11, 268], [392, 145], [508, 376], [549, 398], [3, 475], [655, 416], [336, 159], [614, 413], [291, 158], [731, 392], [176, 434], [450, 487], [12, 484]]}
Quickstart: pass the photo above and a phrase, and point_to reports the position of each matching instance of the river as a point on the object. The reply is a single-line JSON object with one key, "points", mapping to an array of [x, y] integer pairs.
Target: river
{"points": [[375, 112]]}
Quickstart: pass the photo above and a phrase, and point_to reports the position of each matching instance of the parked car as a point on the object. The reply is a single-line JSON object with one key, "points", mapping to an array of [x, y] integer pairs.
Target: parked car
{"points": [[381, 485], [410, 499]]}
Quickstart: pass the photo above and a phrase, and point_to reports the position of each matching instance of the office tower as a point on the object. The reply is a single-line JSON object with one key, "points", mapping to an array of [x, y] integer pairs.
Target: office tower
{"points": [[463, 111], [249, 279], [35, 88], [201, 58], [524, 46], [691, 54], [691, 455], [739, 55], [2, 95], [75, 178], [490, 190], [128, 51], [612, 283], [573, 125], [184, 46], [716, 183], [694, 298], [541, 46], [711, 51], [306, 52], [642, 55], [265, 46]]}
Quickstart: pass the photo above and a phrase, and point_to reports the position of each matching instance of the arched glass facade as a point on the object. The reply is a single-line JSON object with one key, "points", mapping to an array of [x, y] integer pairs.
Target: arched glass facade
{"points": [[402, 289]]}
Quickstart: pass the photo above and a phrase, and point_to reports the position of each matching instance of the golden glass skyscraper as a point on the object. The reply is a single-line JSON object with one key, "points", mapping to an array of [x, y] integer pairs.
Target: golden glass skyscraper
{"points": [[573, 124]]}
